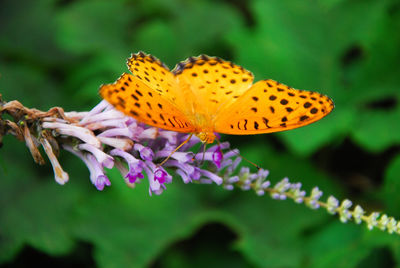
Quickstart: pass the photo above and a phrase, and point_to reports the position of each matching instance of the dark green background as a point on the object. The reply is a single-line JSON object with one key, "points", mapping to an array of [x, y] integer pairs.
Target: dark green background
{"points": [[58, 52]]}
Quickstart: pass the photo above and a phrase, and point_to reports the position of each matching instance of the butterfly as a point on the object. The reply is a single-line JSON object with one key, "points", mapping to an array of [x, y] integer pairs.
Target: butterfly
{"points": [[205, 95]]}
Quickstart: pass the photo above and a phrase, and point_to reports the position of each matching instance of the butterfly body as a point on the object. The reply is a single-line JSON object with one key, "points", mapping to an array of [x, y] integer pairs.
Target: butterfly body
{"points": [[204, 95]]}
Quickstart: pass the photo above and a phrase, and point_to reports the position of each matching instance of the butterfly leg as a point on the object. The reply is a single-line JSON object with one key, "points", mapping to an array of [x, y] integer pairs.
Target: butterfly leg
{"points": [[176, 149], [200, 148], [203, 145], [204, 152]]}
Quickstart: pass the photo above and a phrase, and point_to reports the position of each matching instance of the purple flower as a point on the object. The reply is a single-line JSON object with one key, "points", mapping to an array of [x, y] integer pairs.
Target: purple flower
{"points": [[120, 143], [170, 136], [135, 165], [117, 132], [75, 131], [103, 158], [214, 154], [134, 148], [182, 157], [148, 134], [101, 116], [97, 176], [187, 171], [135, 172], [210, 177], [230, 164], [217, 157], [160, 175], [145, 152], [101, 181]]}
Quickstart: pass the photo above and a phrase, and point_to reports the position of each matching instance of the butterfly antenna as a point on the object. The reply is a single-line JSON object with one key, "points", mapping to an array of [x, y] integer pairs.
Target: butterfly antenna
{"points": [[176, 149], [238, 154]]}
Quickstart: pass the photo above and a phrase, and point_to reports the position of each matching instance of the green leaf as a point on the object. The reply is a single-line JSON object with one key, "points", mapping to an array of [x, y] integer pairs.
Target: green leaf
{"points": [[391, 187], [35, 209], [306, 140], [271, 231], [129, 228], [27, 84], [378, 80], [27, 32], [94, 27], [328, 247], [377, 130], [182, 31]]}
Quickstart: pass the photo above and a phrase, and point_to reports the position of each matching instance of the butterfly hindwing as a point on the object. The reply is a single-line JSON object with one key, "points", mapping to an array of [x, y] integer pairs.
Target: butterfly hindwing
{"points": [[133, 97], [269, 106]]}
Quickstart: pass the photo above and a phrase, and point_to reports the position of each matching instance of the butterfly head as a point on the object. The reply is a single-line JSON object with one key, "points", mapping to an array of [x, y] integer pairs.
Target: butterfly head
{"points": [[206, 137]]}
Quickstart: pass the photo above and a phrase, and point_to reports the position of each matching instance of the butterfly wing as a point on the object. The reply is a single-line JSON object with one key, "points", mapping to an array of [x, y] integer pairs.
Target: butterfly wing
{"points": [[213, 82], [135, 98], [157, 76], [269, 106]]}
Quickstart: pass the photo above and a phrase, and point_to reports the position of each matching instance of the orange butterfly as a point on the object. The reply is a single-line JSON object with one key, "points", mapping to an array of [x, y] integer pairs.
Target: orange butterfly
{"points": [[203, 95]]}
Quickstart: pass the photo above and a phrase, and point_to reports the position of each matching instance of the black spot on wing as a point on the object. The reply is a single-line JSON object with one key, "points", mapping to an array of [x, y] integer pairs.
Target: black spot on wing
{"points": [[272, 109], [134, 97], [307, 105], [169, 120], [265, 121], [284, 101], [178, 122], [304, 117], [255, 125]]}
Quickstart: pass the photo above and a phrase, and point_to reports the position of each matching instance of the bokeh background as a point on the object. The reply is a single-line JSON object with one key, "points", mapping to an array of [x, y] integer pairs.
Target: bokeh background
{"points": [[58, 53]]}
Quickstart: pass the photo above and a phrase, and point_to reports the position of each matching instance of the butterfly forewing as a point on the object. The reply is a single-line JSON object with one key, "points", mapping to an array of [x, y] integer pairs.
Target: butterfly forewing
{"points": [[269, 106], [215, 83], [156, 75], [133, 97]]}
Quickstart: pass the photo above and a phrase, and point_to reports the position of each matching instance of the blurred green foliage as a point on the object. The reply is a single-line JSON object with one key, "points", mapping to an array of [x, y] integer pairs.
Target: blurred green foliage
{"points": [[58, 52]]}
